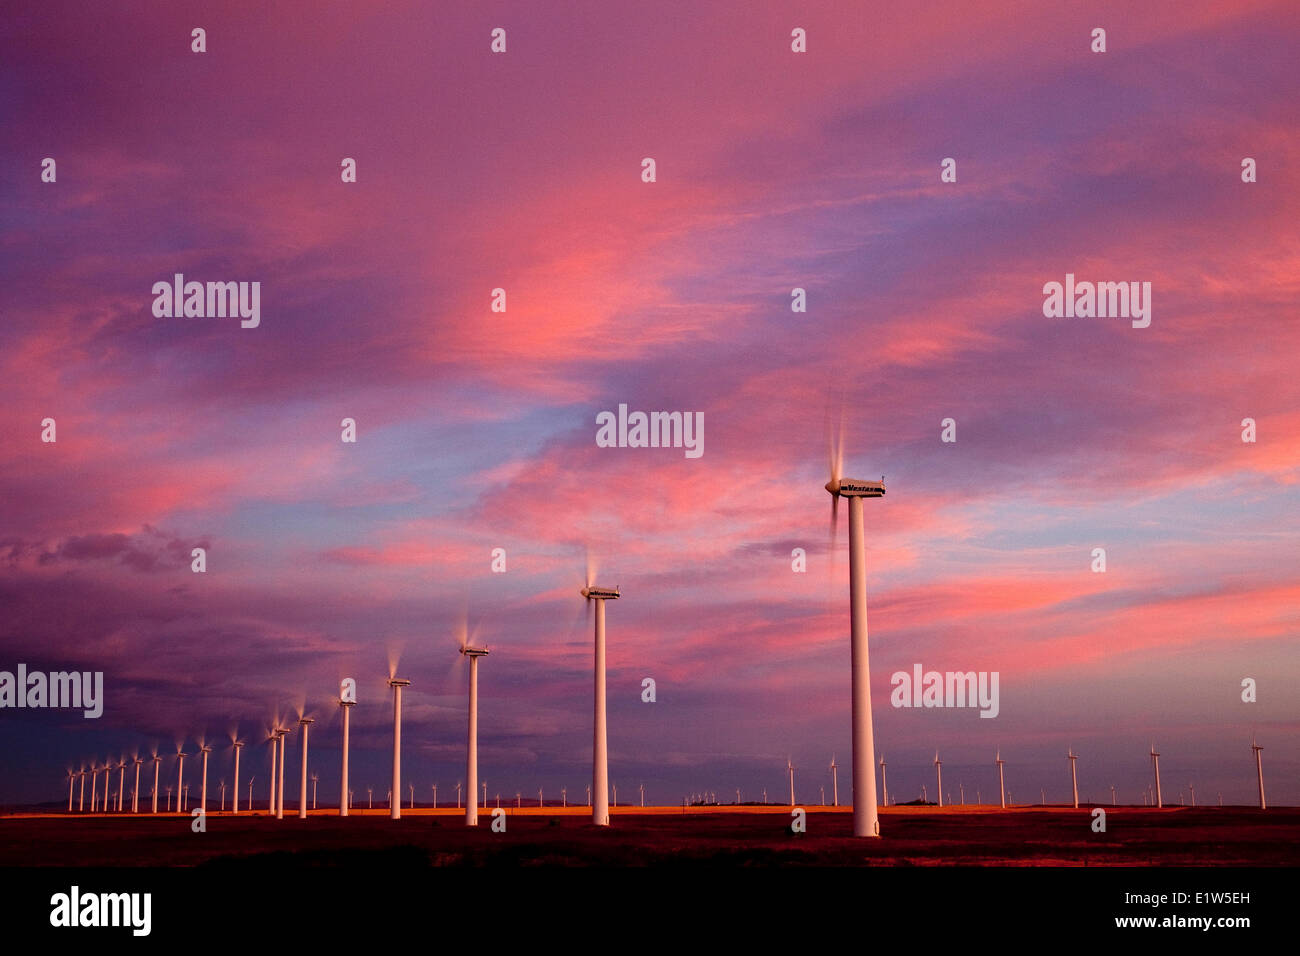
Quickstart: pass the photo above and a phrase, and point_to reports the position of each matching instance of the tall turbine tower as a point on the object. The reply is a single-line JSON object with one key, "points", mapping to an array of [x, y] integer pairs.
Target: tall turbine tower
{"points": [[135, 791], [203, 788], [938, 769], [121, 781], [180, 776], [599, 746], [304, 723], [884, 784], [471, 750], [1074, 777], [789, 768], [1259, 771], [1002, 784], [1155, 762], [81, 794], [395, 806], [157, 761], [346, 703], [279, 786], [275, 746], [234, 797], [865, 821], [835, 779]]}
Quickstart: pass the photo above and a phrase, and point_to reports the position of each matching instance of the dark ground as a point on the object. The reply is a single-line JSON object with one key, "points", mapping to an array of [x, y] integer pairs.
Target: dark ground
{"points": [[1029, 836]]}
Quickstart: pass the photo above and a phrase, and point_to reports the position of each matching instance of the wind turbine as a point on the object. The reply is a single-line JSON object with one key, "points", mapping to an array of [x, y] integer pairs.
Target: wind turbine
{"points": [[345, 793], [961, 789], [370, 797], [1074, 777], [81, 797], [250, 793], [169, 798], [643, 795], [564, 796], [599, 747], [835, 778], [223, 794], [71, 776], [305, 723], [135, 791], [279, 789], [884, 783], [1002, 784], [435, 796], [411, 787], [234, 796], [186, 791], [457, 794], [1192, 788], [865, 820], [1155, 762], [1112, 795], [789, 769], [275, 756], [156, 762], [471, 748], [203, 789], [180, 775], [94, 785], [395, 806], [121, 781], [316, 777], [938, 769], [1259, 771]]}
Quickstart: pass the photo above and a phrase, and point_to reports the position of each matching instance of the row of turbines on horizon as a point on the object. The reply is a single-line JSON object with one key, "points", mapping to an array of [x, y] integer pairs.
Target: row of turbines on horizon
{"points": [[863, 778]]}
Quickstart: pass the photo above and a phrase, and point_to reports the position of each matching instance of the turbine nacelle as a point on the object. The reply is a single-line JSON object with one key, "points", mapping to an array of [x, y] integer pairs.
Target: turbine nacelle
{"points": [[398, 682], [473, 651], [593, 593], [852, 488]]}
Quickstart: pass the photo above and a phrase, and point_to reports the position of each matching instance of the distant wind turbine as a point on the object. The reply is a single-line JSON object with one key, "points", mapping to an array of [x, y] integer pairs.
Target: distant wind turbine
{"points": [[1155, 762], [884, 783], [157, 761], [345, 793], [789, 769], [180, 775], [238, 745], [1074, 777], [135, 791], [471, 746], [938, 769], [1259, 771], [274, 741], [204, 749], [835, 779], [1002, 784]]}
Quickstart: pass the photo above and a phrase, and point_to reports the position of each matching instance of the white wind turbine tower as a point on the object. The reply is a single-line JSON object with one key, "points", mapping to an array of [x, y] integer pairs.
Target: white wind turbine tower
{"points": [[1259, 771], [835, 778], [458, 794], [1155, 762], [305, 723], [884, 783], [108, 779], [370, 798], [223, 794], [1112, 795], [316, 777], [234, 796], [71, 777], [395, 806], [789, 769], [180, 776], [345, 793], [540, 804], [471, 746], [865, 820], [938, 769], [600, 750], [169, 798], [186, 804], [1002, 784], [275, 757], [564, 796], [157, 761], [94, 785], [279, 787], [1074, 777], [250, 793], [135, 791], [81, 796], [203, 788], [1192, 788], [961, 789], [121, 781], [643, 795]]}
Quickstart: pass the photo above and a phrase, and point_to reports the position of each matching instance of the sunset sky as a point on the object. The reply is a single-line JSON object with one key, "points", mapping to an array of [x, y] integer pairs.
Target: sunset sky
{"points": [[476, 430]]}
